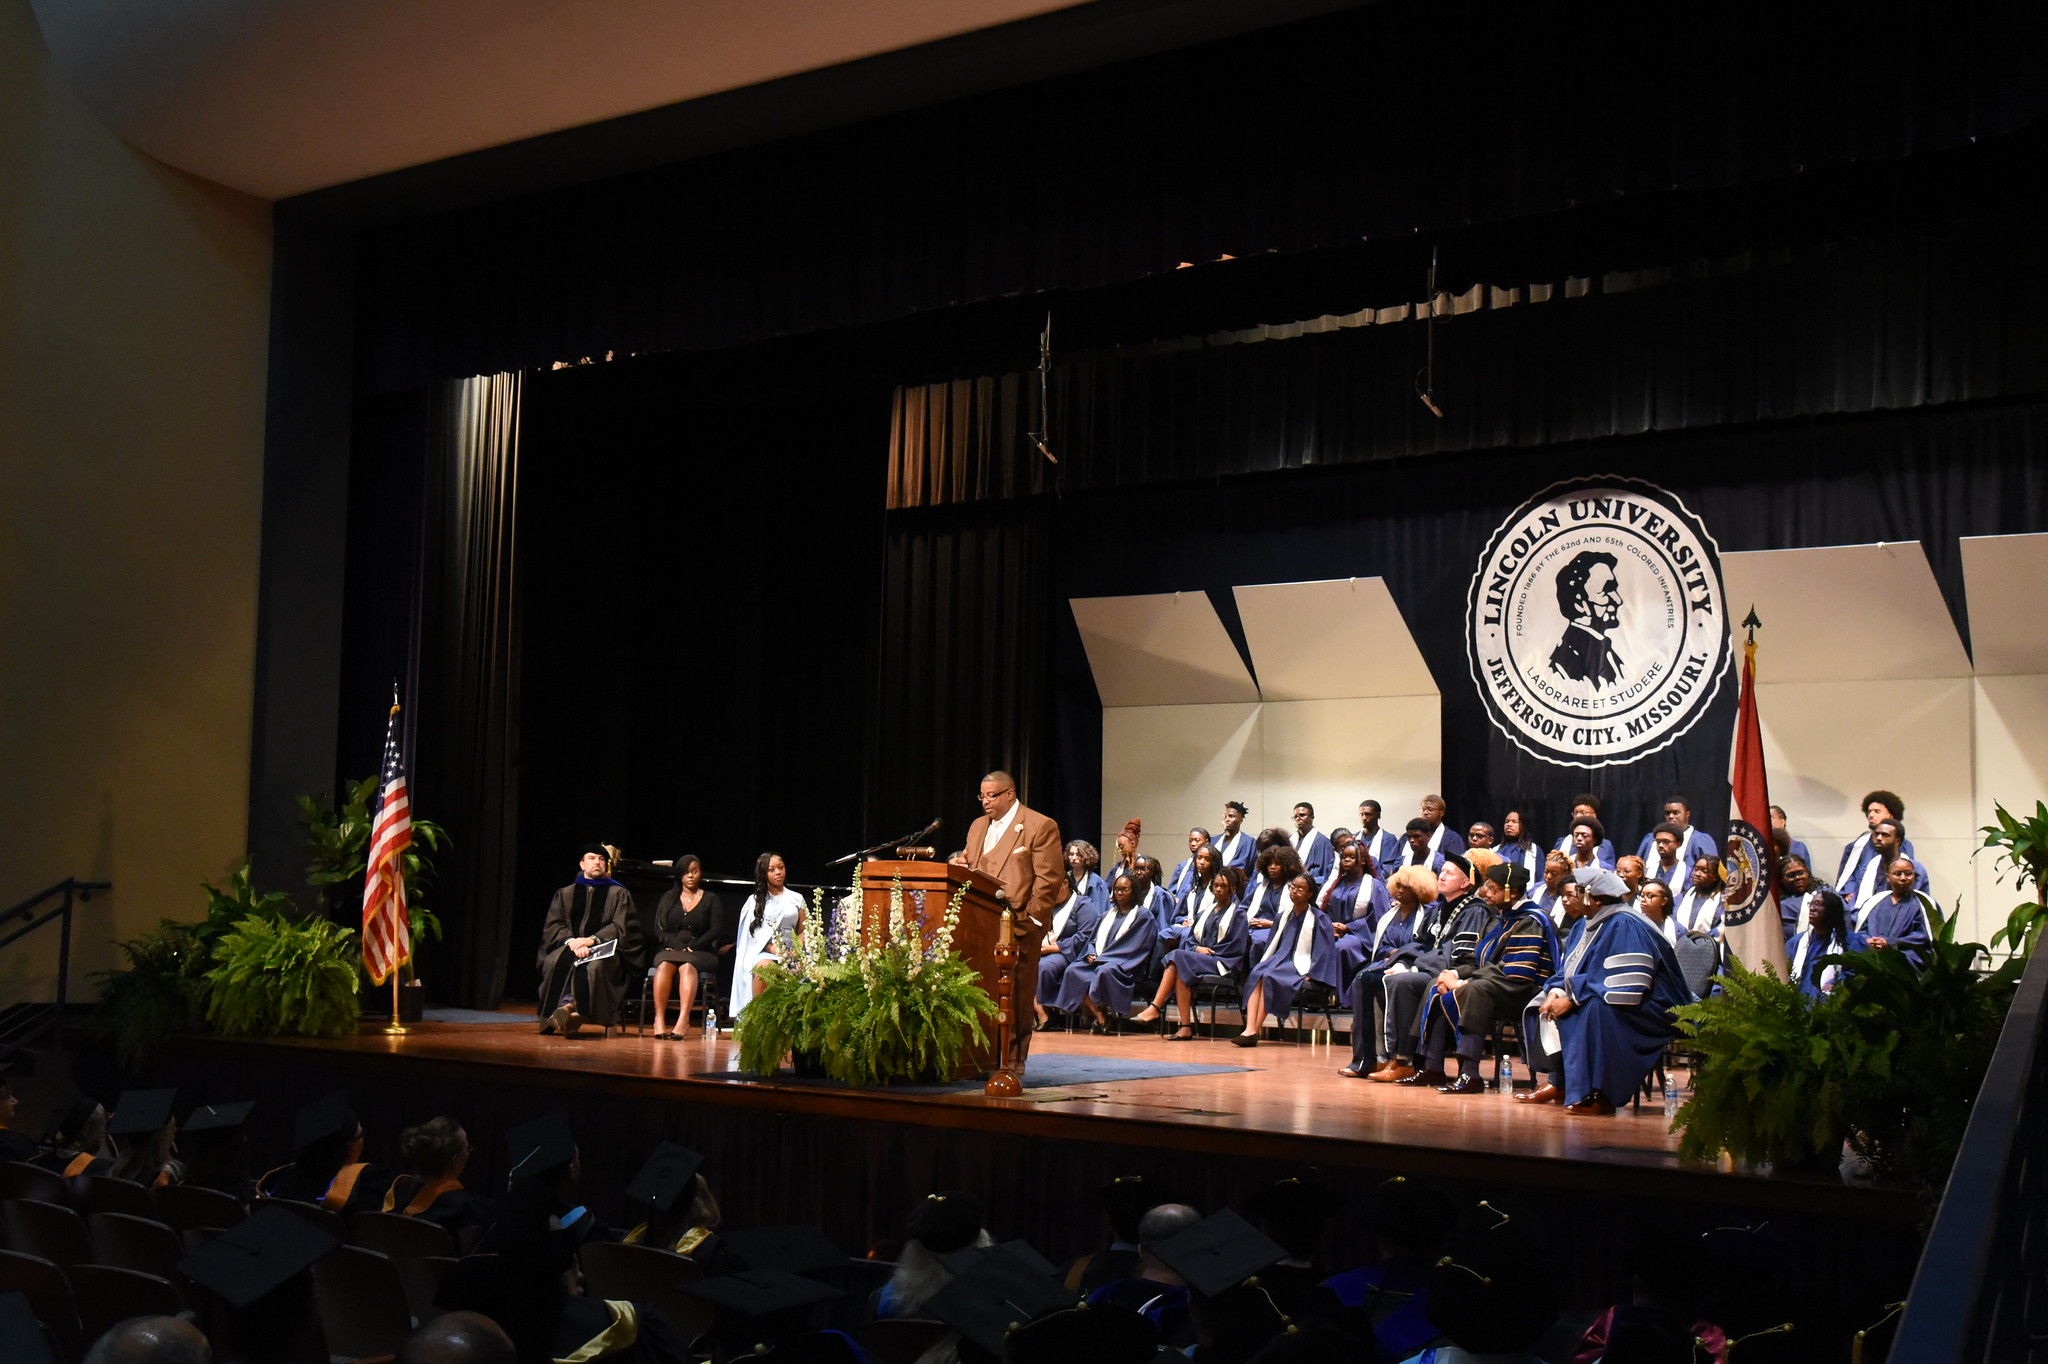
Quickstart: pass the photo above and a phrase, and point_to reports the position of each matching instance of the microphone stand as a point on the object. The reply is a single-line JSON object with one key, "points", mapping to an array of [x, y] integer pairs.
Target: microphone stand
{"points": [[905, 841]]}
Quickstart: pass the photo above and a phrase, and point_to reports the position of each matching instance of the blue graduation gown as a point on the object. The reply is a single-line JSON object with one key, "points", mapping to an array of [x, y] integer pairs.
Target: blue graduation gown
{"points": [[1695, 846], [1908, 926], [1387, 849], [1237, 850], [1359, 907], [1803, 954], [1224, 931], [1163, 907], [1317, 856], [1854, 893], [1263, 902], [1276, 969], [1547, 900], [1602, 855], [1525, 855], [1452, 841], [1073, 935], [1178, 884], [1124, 952], [1855, 853], [1624, 988]]}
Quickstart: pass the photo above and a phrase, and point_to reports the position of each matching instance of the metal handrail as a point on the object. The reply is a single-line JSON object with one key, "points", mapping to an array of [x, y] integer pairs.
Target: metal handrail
{"points": [[74, 891], [1972, 1265]]}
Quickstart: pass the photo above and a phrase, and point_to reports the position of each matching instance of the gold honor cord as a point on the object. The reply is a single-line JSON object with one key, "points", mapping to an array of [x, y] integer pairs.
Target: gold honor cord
{"points": [[1782, 1328], [1856, 1347]]}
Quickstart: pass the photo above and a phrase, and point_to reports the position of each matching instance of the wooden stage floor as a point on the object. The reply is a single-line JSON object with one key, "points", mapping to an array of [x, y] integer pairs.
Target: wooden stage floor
{"points": [[1290, 1105]]}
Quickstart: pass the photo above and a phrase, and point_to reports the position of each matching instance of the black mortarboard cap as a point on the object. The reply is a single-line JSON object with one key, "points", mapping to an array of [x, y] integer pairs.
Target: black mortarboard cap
{"points": [[1099, 1335], [75, 1118], [995, 1294], [142, 1110], [257, 1256], [1019, 1253], [946, 1221], [21, 1336], [1458, 860], [326, 1117], [218, 1117], [798, 1249], [1509, 877], [761, 1292], [668, 1171], [1219, 1252], [538, 1146], [600, 849]]}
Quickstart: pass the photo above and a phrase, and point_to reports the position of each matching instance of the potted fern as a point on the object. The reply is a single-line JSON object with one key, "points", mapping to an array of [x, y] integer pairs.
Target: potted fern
{"points": [[2022, 844], [867, 1011]]}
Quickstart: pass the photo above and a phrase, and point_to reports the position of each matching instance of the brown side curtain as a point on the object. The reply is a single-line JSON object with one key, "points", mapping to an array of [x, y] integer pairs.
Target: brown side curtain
{"points": [[471, 644]]}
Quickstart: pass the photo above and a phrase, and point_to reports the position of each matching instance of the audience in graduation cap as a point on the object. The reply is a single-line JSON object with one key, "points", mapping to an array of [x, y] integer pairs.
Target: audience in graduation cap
{"points": [[79, 1143], [1151, 1289], [1409, 1225], [1124, 1201], [213, 1143], [939, 1225], [327, 1165]]}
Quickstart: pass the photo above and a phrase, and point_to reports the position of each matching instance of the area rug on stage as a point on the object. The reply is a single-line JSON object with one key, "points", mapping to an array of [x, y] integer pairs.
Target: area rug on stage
{"points": [[1043, 1071], [477, 1016]]}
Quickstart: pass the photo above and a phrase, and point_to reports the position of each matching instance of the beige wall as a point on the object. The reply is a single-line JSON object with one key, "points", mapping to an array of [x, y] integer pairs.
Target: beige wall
{"points": [[133, 315]]}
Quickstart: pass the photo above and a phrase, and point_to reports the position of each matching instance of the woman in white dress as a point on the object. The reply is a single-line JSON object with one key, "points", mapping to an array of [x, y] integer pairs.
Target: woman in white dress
{"points": [[769, 912]]}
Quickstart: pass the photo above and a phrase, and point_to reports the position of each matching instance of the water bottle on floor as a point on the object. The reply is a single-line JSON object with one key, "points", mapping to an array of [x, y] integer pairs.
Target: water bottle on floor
{"points": [[710, 1022], [1505, 1073], [1670, 1095]]}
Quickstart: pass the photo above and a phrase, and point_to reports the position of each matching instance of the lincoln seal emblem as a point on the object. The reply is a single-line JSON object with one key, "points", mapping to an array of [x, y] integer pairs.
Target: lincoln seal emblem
{"points": [[1596, 624]]}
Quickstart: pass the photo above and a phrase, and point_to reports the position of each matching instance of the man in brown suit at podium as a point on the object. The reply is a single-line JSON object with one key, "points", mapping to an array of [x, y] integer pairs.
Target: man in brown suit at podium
{"points": [[1021, 849]]}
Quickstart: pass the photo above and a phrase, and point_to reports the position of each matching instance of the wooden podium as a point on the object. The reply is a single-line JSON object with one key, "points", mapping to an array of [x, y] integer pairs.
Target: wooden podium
{"points": [[978, 938]]}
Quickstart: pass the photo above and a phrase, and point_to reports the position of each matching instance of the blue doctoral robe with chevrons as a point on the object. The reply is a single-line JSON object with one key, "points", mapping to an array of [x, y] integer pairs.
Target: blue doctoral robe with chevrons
{"points": [[1623, 992], [1522, 961]]}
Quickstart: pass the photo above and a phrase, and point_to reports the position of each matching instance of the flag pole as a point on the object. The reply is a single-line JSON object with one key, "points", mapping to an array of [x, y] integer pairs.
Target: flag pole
{"points": [[395, 1028]]}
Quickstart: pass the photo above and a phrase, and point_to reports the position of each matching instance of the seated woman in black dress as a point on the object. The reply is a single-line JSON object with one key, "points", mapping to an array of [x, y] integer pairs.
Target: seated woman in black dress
{"points": [[691, 931]]}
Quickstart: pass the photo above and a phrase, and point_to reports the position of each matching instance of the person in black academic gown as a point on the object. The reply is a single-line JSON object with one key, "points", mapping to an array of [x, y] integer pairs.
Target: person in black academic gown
{"points": [[436, 1154], [585, 914]]}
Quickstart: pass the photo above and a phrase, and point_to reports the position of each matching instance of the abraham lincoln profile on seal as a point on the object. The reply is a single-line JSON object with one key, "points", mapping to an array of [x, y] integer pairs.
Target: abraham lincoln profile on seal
{"points": [[1589, 595]]}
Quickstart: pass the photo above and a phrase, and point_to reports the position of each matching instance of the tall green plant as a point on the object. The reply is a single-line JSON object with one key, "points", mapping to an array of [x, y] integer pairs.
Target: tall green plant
{"points": [[338, 852], [280, 976], [161, 994], [2022, 844]]}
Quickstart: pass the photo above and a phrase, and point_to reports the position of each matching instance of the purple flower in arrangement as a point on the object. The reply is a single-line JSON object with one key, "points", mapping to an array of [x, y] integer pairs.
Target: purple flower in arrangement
{"points": [[917, 898]]}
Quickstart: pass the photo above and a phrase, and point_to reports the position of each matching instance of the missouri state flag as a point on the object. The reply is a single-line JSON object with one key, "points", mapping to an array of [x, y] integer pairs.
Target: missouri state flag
{"points": [[1751, 927]]}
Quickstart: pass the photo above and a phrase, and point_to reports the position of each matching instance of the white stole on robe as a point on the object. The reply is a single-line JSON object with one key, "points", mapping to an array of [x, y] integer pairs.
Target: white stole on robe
{"points": [[1849, 856], [1202, 914], [1109, 921], [1872, 874], [1692, 907], [1436, 840]]}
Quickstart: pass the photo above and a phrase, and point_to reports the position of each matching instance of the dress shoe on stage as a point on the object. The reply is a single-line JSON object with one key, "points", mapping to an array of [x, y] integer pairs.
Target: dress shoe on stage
{"points": [[1384, 1065], [1464, 1084], [1416, 1079], [1594, 1105], [1243, 1041], [1351, 1073], [1542, 1094], [1184, 1035], [547, 1025], [1393, 1072], [571, 1025], [562, 1020]]}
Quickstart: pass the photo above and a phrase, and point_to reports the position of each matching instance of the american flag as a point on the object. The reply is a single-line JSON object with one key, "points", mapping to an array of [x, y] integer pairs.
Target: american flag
{"points": [[387, 933]]}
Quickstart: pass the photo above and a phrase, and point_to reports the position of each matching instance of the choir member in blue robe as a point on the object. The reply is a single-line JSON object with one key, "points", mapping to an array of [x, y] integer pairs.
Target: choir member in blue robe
{"points": [[1662, 862], [1516, 953], [1800, 890], [1101, 981], [1153, 898], [1452, 926], [1174, 932], [1586, 845], [1792, 845], [1587, 806], [1126, 849], [1887, 841], [1692, 844], [1417, 850], [1825, 934], [1611, 1000], [1517, 849], [1697, 909], [1654, 903], [1311, 844], [1392, 948], [1215, 945], [1547, 895], [1354, 903], [1903, 917], [1878, 805], [1234, 843], [1384, 846], [1185, 880], [1442, 838], [1073, 923], [1301, 949], [1267, 894]]}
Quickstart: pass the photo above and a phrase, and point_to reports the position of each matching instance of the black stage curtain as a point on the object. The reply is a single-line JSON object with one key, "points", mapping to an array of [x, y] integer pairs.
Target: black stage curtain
{"points": [[1938, 316], [1387, 121], [1420, 524], [701, 548]]}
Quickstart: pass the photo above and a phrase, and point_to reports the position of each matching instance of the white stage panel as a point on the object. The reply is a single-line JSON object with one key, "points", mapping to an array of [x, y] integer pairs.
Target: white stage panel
{"points": [[1335, 753], [1166, 649], [2012, 769], [1173, 767], [1342, 637], [1844, 613], [2003, 576]]}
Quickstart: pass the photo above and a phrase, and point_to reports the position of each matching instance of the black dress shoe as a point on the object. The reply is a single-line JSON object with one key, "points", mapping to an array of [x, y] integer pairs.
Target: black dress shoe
{"points": [[1431, 1078], [1464, 1084], [1242, 1041], [1097, 1030]]}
